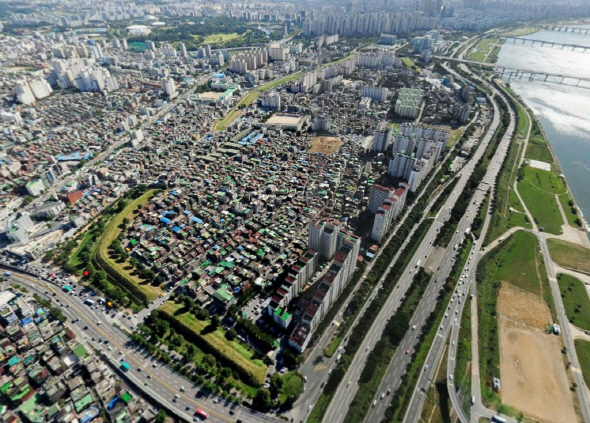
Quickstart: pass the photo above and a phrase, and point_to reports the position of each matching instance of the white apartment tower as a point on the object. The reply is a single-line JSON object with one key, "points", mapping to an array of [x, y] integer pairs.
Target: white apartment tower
{"points": [[377, 197], [382, 138], [169, 86], [322, 238]]}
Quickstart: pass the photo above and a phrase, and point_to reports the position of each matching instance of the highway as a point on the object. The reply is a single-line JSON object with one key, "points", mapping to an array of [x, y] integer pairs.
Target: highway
{"points": [[163, 383], [478, 409], [317, 366], [345, 393], [392, 378]]}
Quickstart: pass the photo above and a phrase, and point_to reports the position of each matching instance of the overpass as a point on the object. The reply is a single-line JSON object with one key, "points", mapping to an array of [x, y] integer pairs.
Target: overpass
{"points": [[531, 75], [552, 44], [570, 29]]}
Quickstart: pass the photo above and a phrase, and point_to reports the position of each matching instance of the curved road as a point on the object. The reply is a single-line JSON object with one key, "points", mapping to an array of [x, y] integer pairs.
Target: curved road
{"points": [[163, 383]]}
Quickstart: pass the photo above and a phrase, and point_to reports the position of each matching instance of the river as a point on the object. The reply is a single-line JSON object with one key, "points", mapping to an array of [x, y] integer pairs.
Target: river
{"points": [[563, 111]]}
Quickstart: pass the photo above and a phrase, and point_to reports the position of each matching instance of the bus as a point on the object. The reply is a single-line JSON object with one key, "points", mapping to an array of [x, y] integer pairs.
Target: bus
{"points": [[498, 419], [89, 302], [124, 366], [67, 288], [201, 414]]}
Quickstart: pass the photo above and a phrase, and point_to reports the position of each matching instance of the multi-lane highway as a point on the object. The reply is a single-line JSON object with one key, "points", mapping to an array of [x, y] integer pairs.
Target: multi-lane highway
{"points": [[346, 391], [94, 326], [428, 302], [317, 367]]}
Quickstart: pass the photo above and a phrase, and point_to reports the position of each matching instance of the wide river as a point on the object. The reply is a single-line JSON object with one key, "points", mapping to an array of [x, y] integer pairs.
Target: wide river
{"points": [[564, 111]]}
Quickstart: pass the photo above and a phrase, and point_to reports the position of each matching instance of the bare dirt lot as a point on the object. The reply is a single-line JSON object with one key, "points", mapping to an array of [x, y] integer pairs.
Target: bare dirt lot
{"points": [[532, 372], [284, 119], [325, 145], [528, 308]]}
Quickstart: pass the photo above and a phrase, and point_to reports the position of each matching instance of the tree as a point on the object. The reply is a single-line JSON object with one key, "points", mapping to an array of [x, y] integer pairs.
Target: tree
{"points": [[215, 321], [161, 416], [231, 334], [262, 401]]}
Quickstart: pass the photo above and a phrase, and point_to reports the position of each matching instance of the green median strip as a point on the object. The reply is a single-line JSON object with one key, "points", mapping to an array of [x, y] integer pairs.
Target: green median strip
{"points": [[384, 350]]}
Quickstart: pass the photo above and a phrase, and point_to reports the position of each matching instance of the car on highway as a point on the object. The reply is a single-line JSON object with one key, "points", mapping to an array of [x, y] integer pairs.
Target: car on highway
{"points": [[349, 382]]}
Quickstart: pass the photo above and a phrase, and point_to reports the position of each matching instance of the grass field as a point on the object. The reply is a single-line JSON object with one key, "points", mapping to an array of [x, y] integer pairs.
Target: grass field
{"points": [[538, 148], [292, 385], [408, 62], [227, 120], [583, 352], [120, 271], [538, 188], [508, 211], [484, 47], [278, 82], [569, 255], [526, 30], [463, 365], [570, 211], [517, 261], [74, 257], [575, 300], [220, 38], [455, 135], [232, 351], [249, 98]]}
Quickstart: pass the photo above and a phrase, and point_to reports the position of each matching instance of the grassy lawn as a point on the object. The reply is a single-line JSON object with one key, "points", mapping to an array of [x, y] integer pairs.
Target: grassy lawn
{"points": [[583, 352], [232, 351], [538, 149], [220, 38], [407, 61], [226, 121], [462, 375], [508, 211], [537, 189], [484, 47], [344, 59], [121, 271], [521, 263], [517, 261], [526, 30], [292, 385], [493, 56], [331, 349], [249, 98], [74, 257], [575, 300], [278, 82], [455, 135], [569, 255], [570, 211]]}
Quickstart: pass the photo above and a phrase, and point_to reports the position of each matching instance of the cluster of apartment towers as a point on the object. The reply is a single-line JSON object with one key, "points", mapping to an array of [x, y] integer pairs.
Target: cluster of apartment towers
{"points": [[415, 150]]}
